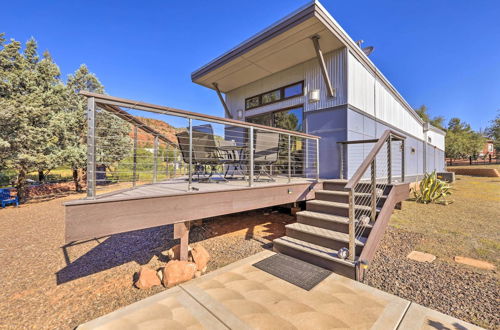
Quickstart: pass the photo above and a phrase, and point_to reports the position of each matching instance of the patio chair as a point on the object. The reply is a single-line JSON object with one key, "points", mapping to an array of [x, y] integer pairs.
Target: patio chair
{"points": [[6, 198], [233, 154], [266, 150], [205, 151]]}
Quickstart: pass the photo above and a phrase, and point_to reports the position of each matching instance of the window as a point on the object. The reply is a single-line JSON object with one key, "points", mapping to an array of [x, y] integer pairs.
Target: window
{"points": [[280, 94], [290, 119]]}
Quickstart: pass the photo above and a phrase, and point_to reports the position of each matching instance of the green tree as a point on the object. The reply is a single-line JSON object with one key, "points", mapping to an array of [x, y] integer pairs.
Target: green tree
{"points": [[31, 94], [493, 131], [437, 121], [461, 141]]}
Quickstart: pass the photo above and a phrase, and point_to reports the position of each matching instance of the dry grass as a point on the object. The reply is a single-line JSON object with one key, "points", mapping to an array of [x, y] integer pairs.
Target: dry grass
{"points": [[495, 166], [470, 226]]}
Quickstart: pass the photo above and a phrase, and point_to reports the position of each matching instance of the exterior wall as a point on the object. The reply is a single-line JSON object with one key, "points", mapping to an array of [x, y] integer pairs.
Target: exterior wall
{"points": [[310, 73], [435, 139]]}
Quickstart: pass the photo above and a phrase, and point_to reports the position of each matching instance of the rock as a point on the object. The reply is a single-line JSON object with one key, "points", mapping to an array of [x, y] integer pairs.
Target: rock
{"points": [[147, 279], [421, 256], [200, 257], [474, 263], [177, 271], [174, 253]]}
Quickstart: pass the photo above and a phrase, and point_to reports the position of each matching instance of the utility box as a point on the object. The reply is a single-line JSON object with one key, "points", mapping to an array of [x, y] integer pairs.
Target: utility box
{"points": [[446, 176]]}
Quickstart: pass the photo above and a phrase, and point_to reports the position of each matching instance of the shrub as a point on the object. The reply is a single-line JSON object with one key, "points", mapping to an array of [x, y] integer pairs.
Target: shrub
{"points": [[431, 190]]}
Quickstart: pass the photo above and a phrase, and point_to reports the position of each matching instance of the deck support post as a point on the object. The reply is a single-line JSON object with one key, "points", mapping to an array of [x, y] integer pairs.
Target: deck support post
{"points": [[91, 140], [389, 160], [352, 226], [190, 165], [289, 158], [322, 65], [221, 98], [134, 166], [250, 174], [155, 159], [181, 230], [373, 191]]}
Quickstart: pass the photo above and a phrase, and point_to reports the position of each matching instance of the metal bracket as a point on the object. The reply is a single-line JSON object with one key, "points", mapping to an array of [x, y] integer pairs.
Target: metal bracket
{"points": [[226, 109], [319, 54]]}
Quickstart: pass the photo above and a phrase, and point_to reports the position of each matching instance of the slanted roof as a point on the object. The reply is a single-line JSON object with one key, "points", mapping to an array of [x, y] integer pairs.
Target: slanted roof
{"points": [[281, 46]]}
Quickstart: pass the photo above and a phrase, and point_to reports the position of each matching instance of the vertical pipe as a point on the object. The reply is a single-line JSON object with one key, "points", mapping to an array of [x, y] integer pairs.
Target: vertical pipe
{"points": [[317, 159], [190, 165], [341, 161], [289, 158], [174, 163], [373, 191], [91, 148], [389, 161], [155, 159], [352, 227], [403, 161], [250, 175], [134, 174]]}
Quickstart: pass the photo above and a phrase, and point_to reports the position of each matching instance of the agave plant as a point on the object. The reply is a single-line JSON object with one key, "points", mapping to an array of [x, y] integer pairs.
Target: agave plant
{"points": [[432, 190]]}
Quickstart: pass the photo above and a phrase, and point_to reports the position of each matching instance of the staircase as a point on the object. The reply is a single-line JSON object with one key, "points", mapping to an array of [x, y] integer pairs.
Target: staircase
{"points": [[332, 220]]}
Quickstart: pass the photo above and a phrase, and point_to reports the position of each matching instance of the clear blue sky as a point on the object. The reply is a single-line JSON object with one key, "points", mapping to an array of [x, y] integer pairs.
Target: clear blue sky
{"points": [[442, 53]]}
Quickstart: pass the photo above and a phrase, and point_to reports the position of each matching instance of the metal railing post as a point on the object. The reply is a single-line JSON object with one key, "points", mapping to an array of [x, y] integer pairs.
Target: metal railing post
{"points": [[174, 164], [402, 160], [289, 159], [250, 174], [317, 159], [155, 159], [352, 226], [341, 160], [190, 165], [389, 160], [91, 148], [134, 168], [373, 191]]}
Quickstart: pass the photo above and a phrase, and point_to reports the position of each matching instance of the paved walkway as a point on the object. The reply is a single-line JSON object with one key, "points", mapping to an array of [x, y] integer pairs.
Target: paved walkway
{"points": [[240, 296]]}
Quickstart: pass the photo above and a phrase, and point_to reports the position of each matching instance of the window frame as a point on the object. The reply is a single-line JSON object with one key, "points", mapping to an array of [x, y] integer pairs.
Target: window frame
{"points": [[281, 110], [282, 95]]}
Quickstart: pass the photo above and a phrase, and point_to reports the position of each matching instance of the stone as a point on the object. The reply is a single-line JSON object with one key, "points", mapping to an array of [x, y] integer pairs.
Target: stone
{"points": [[147, 279], [177, 271], [421, 256], [200, 257], [474, 263], [174, 253]]}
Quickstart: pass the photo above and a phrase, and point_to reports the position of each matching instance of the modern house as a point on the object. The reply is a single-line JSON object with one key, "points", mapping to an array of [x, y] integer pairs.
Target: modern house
{"points": [[307, 66]]}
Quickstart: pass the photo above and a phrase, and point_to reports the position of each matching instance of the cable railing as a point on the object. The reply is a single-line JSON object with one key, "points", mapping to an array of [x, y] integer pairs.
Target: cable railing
{"points": [[369, 186], [129, 146]]}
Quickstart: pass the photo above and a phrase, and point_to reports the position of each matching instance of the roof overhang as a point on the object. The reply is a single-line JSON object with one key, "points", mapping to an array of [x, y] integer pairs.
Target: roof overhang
{"points": [[281, 46]]}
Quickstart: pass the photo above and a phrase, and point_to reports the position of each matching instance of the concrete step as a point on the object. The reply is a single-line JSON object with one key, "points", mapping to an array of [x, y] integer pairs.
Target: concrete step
{"points": [[335, 184], [335, 208], [328, 221], [343, 197], [315, 254], [321, 236]]}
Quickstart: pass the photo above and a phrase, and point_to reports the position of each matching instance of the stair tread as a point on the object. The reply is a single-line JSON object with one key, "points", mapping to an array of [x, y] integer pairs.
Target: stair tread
{"points": [[338, 204], [345, 193], [326, 233], [327, 217], [336, 180], [318, 250]]}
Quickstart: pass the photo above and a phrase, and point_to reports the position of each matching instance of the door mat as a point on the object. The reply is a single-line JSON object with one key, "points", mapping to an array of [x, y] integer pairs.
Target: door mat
{"points": [[294, 271]]}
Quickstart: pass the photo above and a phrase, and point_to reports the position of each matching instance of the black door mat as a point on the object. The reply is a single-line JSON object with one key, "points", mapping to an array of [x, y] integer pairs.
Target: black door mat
{"points": [[295, 271]]}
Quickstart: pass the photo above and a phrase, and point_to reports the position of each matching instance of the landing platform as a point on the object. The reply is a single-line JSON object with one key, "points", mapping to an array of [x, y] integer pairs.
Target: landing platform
{"points": [[240, 296]]}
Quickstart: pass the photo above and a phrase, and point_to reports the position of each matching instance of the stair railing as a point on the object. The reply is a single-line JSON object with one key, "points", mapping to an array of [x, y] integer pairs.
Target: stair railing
{"points": [[369, 185]]}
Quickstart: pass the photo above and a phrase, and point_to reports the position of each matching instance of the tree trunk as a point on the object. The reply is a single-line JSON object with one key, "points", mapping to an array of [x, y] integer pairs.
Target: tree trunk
{"points": [[41, 176], [21, 186], [76, 180]]}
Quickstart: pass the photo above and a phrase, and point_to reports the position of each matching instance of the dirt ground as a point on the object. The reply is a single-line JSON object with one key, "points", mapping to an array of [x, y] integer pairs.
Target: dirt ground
{"points": [[45, 285]]}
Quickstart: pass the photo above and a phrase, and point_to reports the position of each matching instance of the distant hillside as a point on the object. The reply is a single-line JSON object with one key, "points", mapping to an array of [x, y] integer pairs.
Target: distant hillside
{"points": [[145, 139]]}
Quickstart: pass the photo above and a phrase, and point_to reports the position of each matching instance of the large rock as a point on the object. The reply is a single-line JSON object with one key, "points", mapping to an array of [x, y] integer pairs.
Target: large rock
{"points": [[174, 253], [200, 257], [147, 279], [177, 271]]}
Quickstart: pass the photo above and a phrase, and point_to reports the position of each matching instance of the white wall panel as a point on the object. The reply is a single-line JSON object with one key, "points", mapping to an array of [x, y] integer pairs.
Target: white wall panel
{"points": [[436, 139], [361, 86]]}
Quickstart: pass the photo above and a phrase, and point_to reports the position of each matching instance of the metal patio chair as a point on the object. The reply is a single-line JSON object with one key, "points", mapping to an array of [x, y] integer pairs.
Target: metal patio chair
{"points": [[266, 150]]}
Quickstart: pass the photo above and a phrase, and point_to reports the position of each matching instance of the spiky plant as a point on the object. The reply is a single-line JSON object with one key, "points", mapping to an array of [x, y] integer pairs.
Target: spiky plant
{"points": [[431, 190]]}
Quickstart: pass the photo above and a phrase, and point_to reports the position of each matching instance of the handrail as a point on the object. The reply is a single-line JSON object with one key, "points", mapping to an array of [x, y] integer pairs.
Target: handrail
{"points": [[371, 156], [116, 101]]}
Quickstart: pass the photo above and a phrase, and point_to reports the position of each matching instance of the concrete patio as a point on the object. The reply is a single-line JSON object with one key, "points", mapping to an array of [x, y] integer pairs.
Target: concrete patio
{"points": [[240, 296]]}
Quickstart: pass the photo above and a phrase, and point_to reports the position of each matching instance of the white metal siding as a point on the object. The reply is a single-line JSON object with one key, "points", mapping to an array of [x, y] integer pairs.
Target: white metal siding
{"points": [[310, 73], [361, 86], [437, 139]]}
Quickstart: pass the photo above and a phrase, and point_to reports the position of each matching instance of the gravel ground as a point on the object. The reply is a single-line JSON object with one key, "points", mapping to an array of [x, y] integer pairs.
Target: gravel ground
{"points": [[47, 286], [453, 289]]}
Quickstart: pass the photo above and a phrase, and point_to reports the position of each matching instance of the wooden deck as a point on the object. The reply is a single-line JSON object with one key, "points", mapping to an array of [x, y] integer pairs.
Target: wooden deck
{"points": [[170, 202]]}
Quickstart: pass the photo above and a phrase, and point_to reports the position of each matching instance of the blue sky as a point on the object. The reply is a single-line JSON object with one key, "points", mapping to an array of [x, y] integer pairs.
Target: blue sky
{"points": [[442, 53]]}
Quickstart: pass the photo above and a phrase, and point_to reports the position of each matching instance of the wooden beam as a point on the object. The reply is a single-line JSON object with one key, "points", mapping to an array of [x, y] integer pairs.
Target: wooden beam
{"points": [[226, 109], [322, 64], [181, 230]]}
